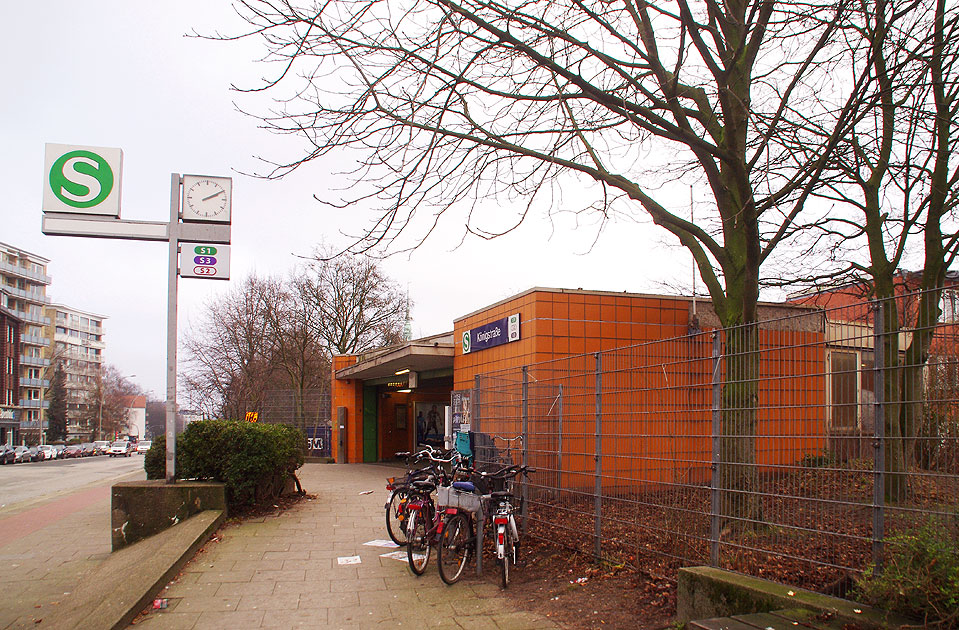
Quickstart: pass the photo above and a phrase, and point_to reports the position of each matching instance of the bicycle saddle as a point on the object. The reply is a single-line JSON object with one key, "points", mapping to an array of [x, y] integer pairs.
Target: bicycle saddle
{"points": [[466, 486]]}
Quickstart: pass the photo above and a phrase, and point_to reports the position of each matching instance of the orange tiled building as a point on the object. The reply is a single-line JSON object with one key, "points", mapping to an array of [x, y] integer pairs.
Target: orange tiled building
{"points": [[380, 399]]}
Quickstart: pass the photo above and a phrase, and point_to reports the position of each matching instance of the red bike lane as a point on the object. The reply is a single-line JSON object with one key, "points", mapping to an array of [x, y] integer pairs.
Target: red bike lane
{"points": [[25, 523]]}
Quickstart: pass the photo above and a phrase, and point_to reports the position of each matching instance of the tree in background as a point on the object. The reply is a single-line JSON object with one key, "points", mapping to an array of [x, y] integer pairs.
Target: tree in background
{"points": [[106, 403], [355, 306], [268, 335], [229, 353], [156, 418], [57, 412]]}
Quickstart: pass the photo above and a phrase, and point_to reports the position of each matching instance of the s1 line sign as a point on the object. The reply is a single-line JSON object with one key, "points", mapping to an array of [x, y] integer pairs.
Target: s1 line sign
{"points": [[82, 180]]}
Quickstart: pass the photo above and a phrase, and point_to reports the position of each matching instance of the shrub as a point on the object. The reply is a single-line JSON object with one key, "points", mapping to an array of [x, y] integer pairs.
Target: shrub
{"points": [[920, 578], [154, 460], [253, 460]]}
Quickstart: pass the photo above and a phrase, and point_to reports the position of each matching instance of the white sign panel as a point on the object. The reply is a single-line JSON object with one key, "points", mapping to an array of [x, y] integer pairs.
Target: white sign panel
{"points": [[205, 260], [82, 180]]}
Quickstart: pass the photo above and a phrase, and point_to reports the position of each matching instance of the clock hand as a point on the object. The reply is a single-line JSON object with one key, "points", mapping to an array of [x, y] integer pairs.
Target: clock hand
{"points": [[213, 195]]}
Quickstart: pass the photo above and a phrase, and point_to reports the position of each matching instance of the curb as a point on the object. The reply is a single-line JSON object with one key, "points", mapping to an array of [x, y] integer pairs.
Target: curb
{"points": [[111, 595]]}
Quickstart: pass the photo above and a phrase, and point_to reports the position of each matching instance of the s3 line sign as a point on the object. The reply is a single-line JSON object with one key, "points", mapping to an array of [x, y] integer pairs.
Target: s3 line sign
{"points": [[492, 334], [82, 180]]}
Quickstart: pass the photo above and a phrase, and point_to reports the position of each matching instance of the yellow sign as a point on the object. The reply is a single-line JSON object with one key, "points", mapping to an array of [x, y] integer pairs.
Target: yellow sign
{"points": [[252, 416]]}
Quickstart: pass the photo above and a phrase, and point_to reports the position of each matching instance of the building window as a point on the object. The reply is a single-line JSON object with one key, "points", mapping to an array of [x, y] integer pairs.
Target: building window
{"points": [[949, 303], [851, 389]]}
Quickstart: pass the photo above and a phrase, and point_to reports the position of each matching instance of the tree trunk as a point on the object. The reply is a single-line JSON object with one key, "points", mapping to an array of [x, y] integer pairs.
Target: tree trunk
{"points": [[739, 476]]}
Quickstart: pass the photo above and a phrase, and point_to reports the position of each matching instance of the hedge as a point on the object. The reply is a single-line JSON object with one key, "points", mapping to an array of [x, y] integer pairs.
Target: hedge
{"points": [[253, 460]]}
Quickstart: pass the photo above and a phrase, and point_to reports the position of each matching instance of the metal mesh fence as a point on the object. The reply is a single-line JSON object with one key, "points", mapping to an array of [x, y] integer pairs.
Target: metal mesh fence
{"points": [[790, 449], [308, 411]]}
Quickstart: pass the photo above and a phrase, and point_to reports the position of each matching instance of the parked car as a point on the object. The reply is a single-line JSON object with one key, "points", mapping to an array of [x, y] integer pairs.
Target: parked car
{"points": [[22, 455], [74, 450], [143, 446], [89, 449], [121, 448], [36, 455], [58, 450], [102, 447], [48, 452], [7, 453]]}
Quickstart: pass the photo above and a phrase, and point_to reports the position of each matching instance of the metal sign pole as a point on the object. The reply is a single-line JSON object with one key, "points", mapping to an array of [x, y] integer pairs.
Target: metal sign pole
{"points": [[171, 336]]}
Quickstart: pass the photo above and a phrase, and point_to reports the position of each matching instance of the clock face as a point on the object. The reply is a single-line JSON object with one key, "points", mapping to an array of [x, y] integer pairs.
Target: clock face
{"points": [[206, 198]]}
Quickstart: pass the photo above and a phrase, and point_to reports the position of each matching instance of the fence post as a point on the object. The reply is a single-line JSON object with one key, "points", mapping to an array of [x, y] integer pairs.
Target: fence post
{"points": [[525, 461], [476, 427], [475, 405], [715, 499], [598, 441], [559, 446], [879, 433]]}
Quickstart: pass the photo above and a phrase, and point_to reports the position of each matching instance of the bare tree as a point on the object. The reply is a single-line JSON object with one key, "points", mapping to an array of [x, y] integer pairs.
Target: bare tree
{"points": [[229, 352], [357, 307], [453, 104], [105, 411], [298, 351], [893, 181]]}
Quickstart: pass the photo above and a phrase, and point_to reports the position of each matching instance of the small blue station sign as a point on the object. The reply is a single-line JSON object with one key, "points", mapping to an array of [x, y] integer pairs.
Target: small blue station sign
{"points": [[493, 334]]}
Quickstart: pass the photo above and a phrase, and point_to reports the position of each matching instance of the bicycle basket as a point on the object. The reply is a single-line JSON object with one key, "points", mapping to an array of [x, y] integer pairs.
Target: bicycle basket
{"points": [[450, 497]]}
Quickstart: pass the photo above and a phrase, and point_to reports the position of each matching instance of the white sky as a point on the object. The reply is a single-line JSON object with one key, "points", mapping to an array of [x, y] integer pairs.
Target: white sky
{"points": [[121, 74]]}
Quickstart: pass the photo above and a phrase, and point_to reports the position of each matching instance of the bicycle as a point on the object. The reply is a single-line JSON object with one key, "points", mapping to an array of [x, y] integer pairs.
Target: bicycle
{"points": [[457, 537], [507, 540], [399, 490], [423, 525]]}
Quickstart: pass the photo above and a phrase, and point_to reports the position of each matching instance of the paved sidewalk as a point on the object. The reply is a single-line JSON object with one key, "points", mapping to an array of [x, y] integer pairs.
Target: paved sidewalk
{"points": [[46, 549], [285, 571]]}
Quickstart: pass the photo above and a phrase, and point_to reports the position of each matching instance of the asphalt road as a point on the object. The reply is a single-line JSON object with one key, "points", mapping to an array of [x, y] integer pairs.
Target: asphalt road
{"points": [[24, 484]]}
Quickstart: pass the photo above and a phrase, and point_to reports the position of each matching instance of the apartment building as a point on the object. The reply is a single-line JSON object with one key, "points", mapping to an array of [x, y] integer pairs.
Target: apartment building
{"points": [[9, 376], [77, 341], [23, 292]]}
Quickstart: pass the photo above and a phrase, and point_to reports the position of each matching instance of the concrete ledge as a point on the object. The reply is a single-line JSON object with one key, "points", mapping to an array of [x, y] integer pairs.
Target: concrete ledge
{"points": [[708, 592], [141, 509], [112, 594]]}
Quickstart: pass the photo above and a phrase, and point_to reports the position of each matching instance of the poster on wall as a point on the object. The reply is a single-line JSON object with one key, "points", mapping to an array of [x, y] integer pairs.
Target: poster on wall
{"points": [[460, 403], [429, 423]]}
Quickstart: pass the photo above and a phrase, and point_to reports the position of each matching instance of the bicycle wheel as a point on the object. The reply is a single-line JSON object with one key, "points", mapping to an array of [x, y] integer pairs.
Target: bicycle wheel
{"points": [[396, 515], [507, 558], [454, 548], [418, 544]]}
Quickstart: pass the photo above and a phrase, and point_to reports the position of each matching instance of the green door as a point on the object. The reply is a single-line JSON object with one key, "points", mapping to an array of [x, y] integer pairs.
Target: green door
{"points": [[370, 422]]}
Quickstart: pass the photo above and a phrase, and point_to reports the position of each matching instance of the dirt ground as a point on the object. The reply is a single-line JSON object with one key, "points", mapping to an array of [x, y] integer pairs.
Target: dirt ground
{"points": [[581, 595]]}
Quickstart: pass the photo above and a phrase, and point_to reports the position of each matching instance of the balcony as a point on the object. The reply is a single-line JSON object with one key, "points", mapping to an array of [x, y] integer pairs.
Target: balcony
{"points": [[33, 319], [70, 340], [35, 404], [23, 294], [34, 382], [34, 361], [33, 340], [24, 272], [32, 424]]}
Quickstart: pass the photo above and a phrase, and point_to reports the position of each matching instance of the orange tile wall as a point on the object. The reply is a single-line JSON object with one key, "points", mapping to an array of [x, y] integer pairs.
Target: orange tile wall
{"points": [[556, 324], [349, 394]]}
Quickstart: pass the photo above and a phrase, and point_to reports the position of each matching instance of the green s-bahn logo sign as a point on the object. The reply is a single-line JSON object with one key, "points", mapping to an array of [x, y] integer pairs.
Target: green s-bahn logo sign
{"points": [[82, 180]]}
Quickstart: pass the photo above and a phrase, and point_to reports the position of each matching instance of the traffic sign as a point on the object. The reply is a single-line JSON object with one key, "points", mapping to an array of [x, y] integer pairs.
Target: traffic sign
{"points": [[82, 179], [205, 260]]}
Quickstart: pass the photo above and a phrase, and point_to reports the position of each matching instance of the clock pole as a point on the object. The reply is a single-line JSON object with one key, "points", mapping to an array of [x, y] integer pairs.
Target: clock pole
{"points": [[171, 336]]}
